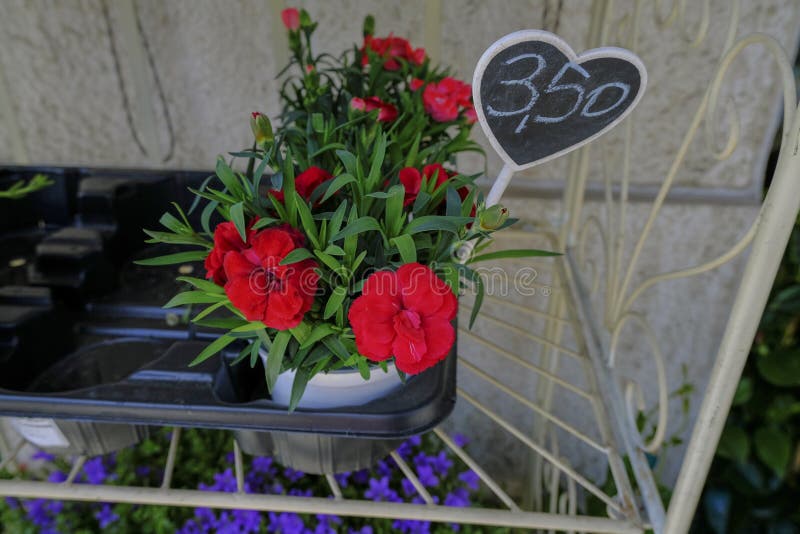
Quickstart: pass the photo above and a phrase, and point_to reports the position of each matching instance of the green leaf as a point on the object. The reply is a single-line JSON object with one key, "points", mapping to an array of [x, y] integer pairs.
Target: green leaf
{"points": [[329, 261], [363, 368], [734, 444], [171, 222], [213, 348], [453, 203], [394, 209], [237, 216], [208, 310], [405, 245], [255, 346], [202, 285], [359, 226], [170, 259], [228, 177], [334, 250], [428, 223], [336, 184], [275, 357], [476, 279], [193, 297], [349, 160], [336, 347], [422, 200], [744, 391], [780, 367], [319, 332], [774, 448], [307, 220], [512, 253], [318, 122], [378, 154], [224, 323], [297, 255], [249, 327], [334, 301], [205, 216], [301, 378], [336, 219], [263, 222]]}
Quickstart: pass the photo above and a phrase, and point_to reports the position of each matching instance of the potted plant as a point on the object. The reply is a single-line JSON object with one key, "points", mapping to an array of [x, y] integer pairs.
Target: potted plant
{"points": [[333, 254]]}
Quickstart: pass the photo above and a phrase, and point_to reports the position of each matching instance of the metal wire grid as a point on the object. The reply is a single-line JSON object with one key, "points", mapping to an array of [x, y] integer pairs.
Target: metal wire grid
{"points": [[560, 482]]}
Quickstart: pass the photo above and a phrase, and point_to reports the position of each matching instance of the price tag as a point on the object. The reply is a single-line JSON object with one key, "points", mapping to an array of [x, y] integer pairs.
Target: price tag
{"points": [[537, 100]]}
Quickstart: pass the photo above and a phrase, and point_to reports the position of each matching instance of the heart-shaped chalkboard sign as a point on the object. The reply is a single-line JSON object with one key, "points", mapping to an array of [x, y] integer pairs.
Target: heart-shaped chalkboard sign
{"points": [[536, 99]]}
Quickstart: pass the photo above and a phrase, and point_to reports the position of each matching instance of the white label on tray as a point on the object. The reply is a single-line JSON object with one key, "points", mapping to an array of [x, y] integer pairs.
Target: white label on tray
{"points": [[39, 431]]}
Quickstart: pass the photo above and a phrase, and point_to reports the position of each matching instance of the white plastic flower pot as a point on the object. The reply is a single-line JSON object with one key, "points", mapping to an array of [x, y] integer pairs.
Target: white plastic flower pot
{"points": [[343, 387]]}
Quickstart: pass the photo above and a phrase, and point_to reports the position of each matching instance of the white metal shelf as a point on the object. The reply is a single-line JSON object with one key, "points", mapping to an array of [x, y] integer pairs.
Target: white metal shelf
{"points": [[572, 344]]}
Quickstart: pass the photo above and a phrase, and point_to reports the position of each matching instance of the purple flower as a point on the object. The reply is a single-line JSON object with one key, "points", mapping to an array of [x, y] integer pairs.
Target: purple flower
{"points": [[191, 527], [106, 516], [361, 477], [38, 513], [286, 522], [296, 492], [247, 520], [459, 498], [384, 468], [57, 476], [327, 524], [442, 463], [142, 471], [366, 529], [422, 459], [229, 457], [379, 490], [406, 449], [42, 455], [470, 478], [225, 481], [460, 439], [410, 526], [264, 464], [293, 475], [95, 471], [342, 479], [12, 503], [408, 487], [427, 476]]}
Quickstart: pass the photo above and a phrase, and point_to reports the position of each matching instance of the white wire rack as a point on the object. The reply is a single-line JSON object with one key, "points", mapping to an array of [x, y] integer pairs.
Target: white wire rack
{"points": [[572, 343]]}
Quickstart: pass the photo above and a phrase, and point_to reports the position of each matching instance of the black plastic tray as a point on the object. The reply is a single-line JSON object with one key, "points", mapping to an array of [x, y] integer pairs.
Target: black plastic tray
{"points": [[82, 336]]}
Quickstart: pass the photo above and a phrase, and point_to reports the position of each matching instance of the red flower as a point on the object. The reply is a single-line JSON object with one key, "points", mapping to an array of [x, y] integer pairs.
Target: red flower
{"points": [[391, 49], [387, 112], [262, 289], [291, 18], [411, 179], [415, 84], [443, 100], [306, 182], [406, 314], [226, 239], [471, 114]]}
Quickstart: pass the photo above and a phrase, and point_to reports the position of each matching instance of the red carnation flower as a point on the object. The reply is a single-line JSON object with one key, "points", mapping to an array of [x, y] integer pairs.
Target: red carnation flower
{"points": [[406, 314], [262, 289], [391, 49], [387, 112], [411, 179], [444, 99], [226, 239], [415, 84], [305, 183], [291, 18]]}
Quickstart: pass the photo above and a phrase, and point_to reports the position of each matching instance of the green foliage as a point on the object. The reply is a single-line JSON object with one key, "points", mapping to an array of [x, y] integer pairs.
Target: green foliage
{"points": [[21, 189], [754, 483]]}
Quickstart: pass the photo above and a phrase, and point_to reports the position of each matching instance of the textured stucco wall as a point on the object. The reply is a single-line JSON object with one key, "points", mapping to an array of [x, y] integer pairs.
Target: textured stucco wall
{"points": [[170, 84]]}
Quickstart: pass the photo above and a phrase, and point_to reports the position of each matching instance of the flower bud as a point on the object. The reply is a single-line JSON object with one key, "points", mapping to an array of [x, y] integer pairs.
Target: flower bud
{"points": [[262, 128], [291, 18], [369, 25], [492, 218], [305, 19]]}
